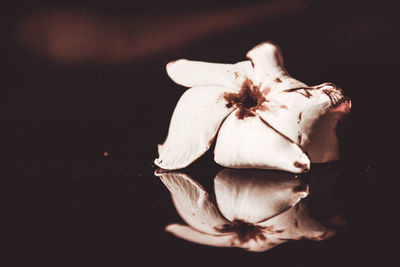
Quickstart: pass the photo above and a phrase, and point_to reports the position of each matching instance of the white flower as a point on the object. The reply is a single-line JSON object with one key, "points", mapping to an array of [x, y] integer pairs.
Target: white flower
{"points": [[255, 210], [263, 117]]}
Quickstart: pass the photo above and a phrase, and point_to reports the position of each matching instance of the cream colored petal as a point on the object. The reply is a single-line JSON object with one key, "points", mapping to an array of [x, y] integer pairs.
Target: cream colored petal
{"points": [[261, 246], [308, 119], [323, 145], [288, 112], [255, 195], [194, 124], [188, 233], [296, 223], [192, 202], [269, 70], [197, 73], [250, 143]]}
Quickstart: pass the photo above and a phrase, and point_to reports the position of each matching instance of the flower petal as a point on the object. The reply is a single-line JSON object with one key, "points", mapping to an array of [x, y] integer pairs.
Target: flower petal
{"points": [[308, 120], [250, 143], [197, 73], [264, 245], [192, 202], [188, 233], [255, 195], [296, 223], [269, 71], [194, 124]]}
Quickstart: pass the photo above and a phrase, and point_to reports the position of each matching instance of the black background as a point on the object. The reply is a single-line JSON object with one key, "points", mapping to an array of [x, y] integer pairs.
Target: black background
{"points": [[67, 204]]}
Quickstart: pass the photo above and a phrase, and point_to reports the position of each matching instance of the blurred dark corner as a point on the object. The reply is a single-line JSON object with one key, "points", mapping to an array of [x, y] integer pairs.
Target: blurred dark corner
{"points": [[85, 95]]}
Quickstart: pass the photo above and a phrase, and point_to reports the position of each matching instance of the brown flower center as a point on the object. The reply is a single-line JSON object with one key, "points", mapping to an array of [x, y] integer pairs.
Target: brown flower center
{"points": [[244, 230], [247, 100]]}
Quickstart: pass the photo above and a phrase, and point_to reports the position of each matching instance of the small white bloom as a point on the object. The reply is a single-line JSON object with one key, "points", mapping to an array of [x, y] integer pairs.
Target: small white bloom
{"points": [[255, 210], [263, 117]]}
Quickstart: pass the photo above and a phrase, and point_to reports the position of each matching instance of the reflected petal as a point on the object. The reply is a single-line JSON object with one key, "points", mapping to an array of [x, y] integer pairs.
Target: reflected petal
{"points": [[296, 223], [269, 71], [257, 246], [194, 124], [192, 202], [254, 195], [188, 233], [197, 73], [250, 143]]}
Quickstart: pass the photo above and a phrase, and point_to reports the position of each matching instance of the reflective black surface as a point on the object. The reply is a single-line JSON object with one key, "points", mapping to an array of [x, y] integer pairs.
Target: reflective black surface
{"points": [[79, 141]]}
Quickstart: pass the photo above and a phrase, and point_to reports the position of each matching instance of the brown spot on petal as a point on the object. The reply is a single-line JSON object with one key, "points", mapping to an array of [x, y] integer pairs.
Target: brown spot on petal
{"points": [[301, 165], [296, 223], [301, 90], [247, 100], [278, 80], [299, 138], [300, 115]]}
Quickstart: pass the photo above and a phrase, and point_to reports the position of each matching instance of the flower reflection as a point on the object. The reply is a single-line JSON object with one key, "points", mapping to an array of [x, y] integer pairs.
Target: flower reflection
{"points": [[253, 209]]}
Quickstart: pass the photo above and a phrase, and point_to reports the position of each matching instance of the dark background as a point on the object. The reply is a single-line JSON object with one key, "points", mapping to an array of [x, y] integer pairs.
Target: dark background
{"points": [[81, 78]]}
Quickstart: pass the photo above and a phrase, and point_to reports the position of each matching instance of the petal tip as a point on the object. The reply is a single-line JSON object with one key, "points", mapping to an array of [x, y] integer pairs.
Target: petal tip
{"points": [[158, 162], [302, 165], [171, 228], [170, 165], [160, 171], [305, 192], [265, 47], [173, 65], [168, 227]]}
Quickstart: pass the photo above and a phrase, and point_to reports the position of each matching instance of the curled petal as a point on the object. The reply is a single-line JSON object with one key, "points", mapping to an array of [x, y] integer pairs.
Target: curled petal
{"points": [[323, 145], [194, 124], [192, 202], [251, 143], [308, 118], [256, 195], [189, 234], [269, 71], [197, 73]]}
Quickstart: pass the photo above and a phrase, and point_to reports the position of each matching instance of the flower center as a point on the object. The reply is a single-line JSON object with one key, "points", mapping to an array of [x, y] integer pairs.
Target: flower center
{"points": [[247, 100], [244, 230]]}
